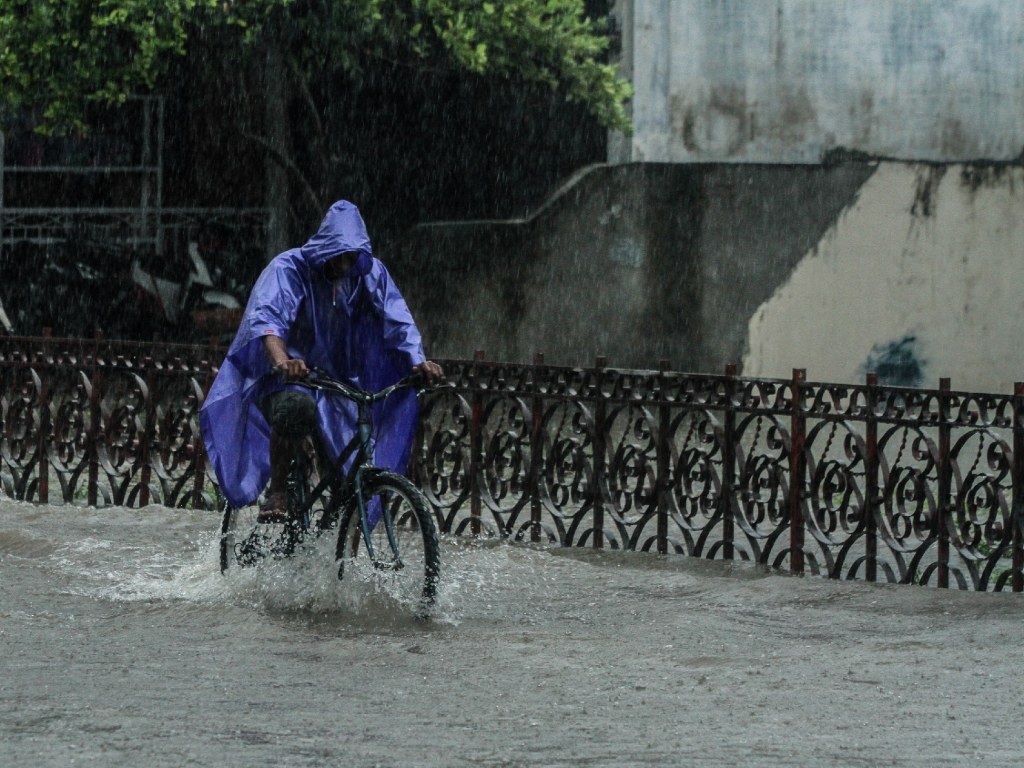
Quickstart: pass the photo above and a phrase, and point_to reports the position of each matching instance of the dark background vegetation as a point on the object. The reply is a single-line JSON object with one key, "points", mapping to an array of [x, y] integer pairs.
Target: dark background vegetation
{"points": [[407, 140], [409, 144]]}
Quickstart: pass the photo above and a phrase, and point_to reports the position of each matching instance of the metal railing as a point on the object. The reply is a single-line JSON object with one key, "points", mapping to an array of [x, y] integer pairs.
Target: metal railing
{"points": [[101, 423], [123, 227], [862, 481]]}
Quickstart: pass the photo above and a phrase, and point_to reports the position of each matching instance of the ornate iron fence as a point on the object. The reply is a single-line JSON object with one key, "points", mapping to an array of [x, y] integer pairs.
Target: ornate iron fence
{"points": [[101, 422], [848, 481]]}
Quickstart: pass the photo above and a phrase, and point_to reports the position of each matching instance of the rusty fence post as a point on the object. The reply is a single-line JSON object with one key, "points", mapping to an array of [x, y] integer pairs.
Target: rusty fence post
{"points": [[476, 449], [536, 449], [95, 422], [1017, 510], [945, 508], [95, 434], [797, 436], [871, 468], [44, 437], [600, 449], [727, 502], [198, 467], [663, 472], [146, 438]]}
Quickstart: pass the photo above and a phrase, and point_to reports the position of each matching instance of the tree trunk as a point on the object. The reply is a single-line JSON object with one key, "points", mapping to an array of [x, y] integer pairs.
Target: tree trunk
{"points": [[277, 133]]}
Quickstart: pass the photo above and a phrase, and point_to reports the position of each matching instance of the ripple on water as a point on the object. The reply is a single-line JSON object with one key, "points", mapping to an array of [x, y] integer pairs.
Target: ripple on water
{"points": [[25, 544]]}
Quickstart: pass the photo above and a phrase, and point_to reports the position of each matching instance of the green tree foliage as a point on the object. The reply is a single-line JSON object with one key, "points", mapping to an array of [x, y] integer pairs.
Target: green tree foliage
{"points": [[59, 56]]}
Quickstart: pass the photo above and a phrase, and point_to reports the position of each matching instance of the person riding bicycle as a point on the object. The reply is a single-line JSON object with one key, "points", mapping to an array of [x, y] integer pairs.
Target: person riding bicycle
{"points": [[328, 305]]}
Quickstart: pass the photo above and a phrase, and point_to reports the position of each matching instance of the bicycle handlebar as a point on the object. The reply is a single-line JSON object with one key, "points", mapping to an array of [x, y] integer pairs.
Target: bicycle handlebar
{"points": [[318, 379]]}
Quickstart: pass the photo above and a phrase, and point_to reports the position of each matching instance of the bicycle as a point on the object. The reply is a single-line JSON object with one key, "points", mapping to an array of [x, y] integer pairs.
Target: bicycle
{"points": [[381, 517]]}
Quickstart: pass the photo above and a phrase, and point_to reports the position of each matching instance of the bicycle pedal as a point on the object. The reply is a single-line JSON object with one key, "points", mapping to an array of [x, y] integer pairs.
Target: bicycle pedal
{"points": [[251, 551], [287, 540]]}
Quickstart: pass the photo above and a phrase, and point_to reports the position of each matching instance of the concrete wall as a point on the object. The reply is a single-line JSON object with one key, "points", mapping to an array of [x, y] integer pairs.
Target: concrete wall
{"points": [[921, 277], [573, 281], [912, 270], [637, 262], [786, 81]]}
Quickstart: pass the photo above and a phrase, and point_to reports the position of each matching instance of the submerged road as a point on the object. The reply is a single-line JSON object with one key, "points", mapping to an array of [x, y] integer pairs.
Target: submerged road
{"points": [[121, 644]]}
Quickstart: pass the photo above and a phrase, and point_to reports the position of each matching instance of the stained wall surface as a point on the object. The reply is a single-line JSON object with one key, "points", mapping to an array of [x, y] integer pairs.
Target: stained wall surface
{"points": [[784, 81], [921, 277]]}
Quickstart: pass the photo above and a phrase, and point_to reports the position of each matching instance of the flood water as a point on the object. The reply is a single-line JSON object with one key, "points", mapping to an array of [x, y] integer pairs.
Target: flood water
{"points": [[122, 644]]}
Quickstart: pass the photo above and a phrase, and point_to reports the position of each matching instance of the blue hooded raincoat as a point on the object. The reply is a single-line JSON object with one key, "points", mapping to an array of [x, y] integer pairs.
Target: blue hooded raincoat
{"points": [[357, 328]]}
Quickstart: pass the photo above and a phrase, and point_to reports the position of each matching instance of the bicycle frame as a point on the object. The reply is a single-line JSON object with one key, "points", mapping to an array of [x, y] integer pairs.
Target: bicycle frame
{"points": [[345, 486]]}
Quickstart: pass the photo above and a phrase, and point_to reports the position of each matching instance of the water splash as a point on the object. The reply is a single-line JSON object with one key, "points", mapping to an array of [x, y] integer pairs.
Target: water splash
{"points": [[162, 555]]}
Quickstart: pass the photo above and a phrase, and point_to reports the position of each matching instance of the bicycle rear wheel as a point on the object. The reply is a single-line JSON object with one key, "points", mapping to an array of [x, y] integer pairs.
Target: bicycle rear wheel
{"points": [[410, 569], [244, 542], [240, 546]]}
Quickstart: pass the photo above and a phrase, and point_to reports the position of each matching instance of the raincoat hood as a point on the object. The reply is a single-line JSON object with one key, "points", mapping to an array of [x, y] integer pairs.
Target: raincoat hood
{"points": [[341, 231]]}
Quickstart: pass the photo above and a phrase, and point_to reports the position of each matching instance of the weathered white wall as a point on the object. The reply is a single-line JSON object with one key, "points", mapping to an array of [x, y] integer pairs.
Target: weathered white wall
{"points": [[783, 81], [930, 253]]}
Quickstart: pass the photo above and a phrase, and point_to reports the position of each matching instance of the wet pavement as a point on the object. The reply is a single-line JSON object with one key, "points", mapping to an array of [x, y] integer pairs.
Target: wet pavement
{"points": [[122, 644]]}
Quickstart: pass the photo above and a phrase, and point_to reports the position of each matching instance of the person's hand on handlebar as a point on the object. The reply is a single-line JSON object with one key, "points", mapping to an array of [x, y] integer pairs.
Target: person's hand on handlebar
{"points": [[290, 367], [431, 370]]}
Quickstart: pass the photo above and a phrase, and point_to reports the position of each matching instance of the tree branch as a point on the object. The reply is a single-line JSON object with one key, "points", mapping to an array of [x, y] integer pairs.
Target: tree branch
{"points": [[307, 96], [287, 164]]}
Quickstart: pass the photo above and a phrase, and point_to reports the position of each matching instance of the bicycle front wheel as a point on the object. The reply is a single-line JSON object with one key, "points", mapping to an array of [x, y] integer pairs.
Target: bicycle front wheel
{"points": [[407, 564]]}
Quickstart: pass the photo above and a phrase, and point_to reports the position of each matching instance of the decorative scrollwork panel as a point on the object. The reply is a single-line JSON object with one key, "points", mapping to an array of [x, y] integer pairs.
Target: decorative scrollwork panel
{"points": [[696, 444], [21, 446], [123, 448], [835, 511], [176, 450], [979, 526], [506, 465], [762, 486], [441, 460], [72, 442], [631, 487], [908, 522], [567, 481]]}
